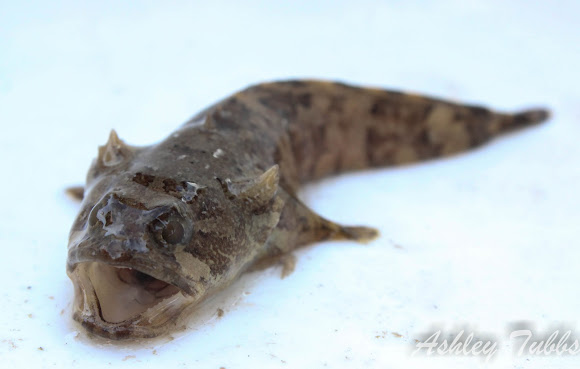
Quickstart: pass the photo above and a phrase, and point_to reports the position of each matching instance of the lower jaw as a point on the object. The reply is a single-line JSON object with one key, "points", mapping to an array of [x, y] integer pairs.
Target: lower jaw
{"points": [[155, 322]]}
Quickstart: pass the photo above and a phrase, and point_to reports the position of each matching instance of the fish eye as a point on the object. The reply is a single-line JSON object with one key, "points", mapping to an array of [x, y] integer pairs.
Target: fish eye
{"points": [[173, 232], [170, 229]]}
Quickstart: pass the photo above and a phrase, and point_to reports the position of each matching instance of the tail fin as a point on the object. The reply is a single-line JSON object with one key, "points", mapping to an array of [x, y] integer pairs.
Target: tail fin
{"points": [[483, 124], [526, 118]]}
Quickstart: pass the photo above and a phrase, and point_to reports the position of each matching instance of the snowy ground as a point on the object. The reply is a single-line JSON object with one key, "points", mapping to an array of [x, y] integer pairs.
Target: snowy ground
{"points": [[480, 241]]}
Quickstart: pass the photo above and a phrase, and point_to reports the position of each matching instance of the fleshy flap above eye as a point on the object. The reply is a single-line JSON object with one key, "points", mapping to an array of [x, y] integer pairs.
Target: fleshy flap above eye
{"points": [[114, 152]]}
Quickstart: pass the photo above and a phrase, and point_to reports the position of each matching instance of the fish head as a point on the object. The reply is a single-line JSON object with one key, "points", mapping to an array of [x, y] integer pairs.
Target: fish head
{"points": [[147, 248]]}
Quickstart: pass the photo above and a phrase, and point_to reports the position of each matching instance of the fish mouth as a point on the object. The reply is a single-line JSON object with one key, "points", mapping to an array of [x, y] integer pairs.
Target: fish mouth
{"points": [[119, 302]]}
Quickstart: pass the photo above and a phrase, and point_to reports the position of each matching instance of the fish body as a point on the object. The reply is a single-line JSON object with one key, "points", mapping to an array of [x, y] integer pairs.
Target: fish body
{"points": [[163, 227]]}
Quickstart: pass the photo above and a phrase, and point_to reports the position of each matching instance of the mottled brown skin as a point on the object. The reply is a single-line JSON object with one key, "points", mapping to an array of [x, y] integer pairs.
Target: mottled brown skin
{"points": [[182, 219]]}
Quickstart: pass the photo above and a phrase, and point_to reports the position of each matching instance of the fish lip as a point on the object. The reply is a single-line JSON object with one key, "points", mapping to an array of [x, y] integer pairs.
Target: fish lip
{"points": [[96, 325], [126, 330]]}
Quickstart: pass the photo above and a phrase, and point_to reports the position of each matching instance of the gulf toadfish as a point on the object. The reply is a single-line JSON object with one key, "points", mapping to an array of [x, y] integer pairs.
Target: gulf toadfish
{"points": [[164, 226]]}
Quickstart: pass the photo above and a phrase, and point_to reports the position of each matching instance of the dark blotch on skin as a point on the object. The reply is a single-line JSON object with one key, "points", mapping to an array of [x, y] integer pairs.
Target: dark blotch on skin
{"points": [[281, 103], [143, 179], [169, 185], [337, 104], [305, 100], [378, 108]]}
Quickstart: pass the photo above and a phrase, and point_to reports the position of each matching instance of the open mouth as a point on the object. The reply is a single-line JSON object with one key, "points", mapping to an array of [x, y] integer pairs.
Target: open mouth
{"points": [[121, 302]]}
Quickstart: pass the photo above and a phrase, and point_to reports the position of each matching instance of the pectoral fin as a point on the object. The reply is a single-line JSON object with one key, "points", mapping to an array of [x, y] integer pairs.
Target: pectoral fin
{"points": [[359, 234], [299, 226], [312, 227], [77, 193]]}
